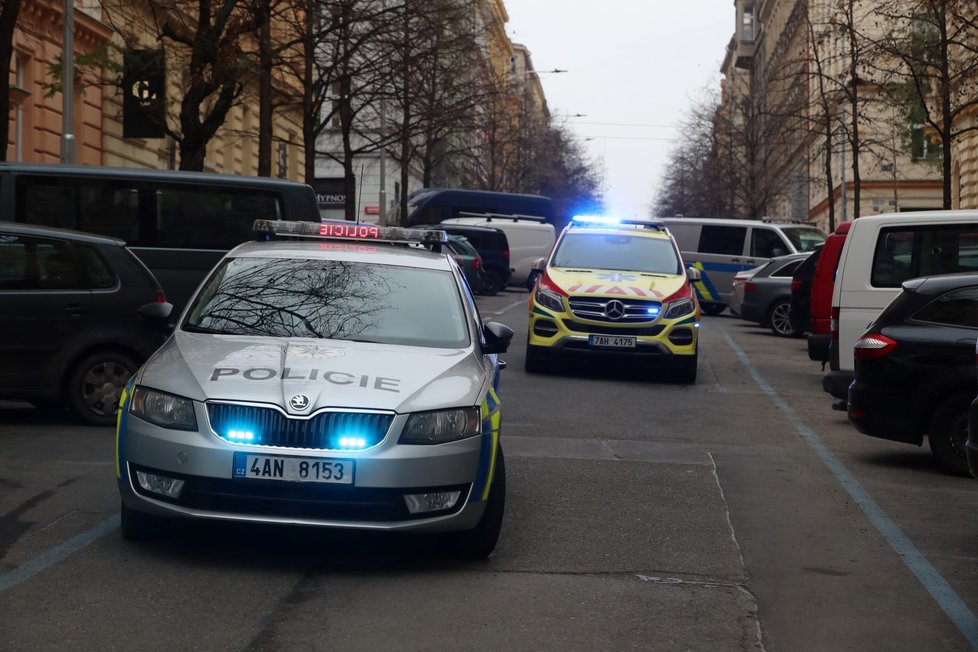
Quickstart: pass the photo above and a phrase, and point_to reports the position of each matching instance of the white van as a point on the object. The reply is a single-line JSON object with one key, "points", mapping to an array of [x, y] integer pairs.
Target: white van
{"points": [[720, 248], [880, 253], [530, 238]]}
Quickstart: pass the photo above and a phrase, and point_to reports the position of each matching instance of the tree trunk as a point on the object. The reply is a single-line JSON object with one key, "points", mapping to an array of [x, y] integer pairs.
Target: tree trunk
{"points": [[265, 91]]}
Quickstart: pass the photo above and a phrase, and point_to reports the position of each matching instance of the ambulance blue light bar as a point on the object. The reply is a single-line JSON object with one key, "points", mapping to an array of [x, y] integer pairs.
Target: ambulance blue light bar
{"points": [[608, 220], [349, 231]]}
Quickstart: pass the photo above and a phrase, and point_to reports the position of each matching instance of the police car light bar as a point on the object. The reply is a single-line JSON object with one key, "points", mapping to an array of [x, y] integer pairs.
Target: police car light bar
{"points": [[349, 231], [605, 220]]}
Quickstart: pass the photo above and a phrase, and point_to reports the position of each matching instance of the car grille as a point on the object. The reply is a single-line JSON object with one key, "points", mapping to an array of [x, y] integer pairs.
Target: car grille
{"points": [[270, 427], [633, 310]]}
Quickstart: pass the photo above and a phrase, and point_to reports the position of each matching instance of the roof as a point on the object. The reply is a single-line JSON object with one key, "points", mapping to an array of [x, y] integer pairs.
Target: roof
{"points": [[160, 175], [53, 231], [376, 253]]}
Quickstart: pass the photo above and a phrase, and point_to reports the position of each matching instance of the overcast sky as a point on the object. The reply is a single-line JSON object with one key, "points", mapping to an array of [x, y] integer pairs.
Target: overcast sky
{"points": [[634, 68]]}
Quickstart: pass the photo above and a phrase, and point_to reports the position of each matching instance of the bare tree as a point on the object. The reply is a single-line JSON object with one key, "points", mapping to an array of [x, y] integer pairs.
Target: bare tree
{"points": [[204, 39], [933, 43]]}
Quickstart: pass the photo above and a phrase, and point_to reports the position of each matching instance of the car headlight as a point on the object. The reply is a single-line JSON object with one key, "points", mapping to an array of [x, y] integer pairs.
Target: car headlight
{"points": [[680, 308], [441, 426], [163, 410], [550, 300]]}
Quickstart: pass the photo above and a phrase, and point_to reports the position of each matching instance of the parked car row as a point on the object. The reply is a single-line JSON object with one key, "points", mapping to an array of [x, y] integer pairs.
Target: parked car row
{"points": [[890, 302]]}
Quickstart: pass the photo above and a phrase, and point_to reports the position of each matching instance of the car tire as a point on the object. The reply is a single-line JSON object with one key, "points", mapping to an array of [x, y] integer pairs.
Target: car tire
{"points": [[948, 431], [95, 383], [712, 308], [779, 318], [492, 282], [531, 280], [479, 542], [536, 361], [686, 373], [137, 526]]}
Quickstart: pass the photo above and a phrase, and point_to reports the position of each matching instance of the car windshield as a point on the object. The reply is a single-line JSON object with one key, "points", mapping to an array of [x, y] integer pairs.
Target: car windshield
{"points": [[805, 238], [617, 251], [285, 297]]}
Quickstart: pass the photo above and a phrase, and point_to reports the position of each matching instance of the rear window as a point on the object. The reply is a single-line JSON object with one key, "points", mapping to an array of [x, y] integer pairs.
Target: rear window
{"points": [[956, 308], [903, 253], [804, 238], [616, 251]]}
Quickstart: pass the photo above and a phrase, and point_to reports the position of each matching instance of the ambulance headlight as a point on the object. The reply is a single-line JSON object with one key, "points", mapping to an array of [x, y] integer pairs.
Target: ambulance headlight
{"points": [[549, 299], [441, 426], [163, 410], [680, 308]]}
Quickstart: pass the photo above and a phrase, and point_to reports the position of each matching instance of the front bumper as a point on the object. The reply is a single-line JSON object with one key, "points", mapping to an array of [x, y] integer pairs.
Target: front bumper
{"points": [[374, 501], [667, 341], [883, 412]]}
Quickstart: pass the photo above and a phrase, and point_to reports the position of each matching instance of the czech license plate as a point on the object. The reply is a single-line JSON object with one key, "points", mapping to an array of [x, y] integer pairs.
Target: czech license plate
{"points": [[293, 469], [612, 341]]}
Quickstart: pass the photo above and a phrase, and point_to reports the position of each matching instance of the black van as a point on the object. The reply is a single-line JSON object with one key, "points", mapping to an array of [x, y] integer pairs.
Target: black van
{"points": [[433, 205], [492, 245], [178, 223]]}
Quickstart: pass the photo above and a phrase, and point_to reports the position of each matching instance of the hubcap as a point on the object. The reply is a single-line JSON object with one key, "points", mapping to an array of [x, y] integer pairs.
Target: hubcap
{"points": [[102, 386]]}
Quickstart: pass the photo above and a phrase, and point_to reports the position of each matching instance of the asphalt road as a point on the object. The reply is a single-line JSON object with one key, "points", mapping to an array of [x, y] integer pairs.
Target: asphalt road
{"points": [[740, 513]]}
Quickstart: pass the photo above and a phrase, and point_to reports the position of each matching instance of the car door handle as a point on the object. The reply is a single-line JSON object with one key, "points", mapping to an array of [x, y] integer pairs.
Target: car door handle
{"points": [[77, 310], [502, 365]]}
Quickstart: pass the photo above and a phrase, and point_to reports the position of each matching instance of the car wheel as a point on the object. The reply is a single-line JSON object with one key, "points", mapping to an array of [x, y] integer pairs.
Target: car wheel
{"points": [[948, 432], [779, 319], [535, 361], [686, 373], [492, 282], [137, 526], [95, 384], [479, 542], [531, 280], [713, 308]]}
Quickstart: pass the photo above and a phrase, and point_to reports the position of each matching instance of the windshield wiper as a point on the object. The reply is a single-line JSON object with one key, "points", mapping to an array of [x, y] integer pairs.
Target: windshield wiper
{"points": [[193, 328]]}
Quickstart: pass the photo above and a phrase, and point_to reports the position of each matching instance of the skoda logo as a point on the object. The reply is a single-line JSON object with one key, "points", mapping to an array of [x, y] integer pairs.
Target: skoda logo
{"points": [[299, 402], [615, 309]]}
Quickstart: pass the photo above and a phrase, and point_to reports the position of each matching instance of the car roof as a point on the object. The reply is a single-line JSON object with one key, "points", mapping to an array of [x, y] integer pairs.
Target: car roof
{"points": [[729, 221], [619, 230], [378, 253], [58, 232], [940, 283]]}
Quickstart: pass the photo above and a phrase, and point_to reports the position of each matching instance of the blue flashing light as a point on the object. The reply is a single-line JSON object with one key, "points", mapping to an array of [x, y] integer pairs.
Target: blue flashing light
{"points": [[352, 443], [241, 435], [654, 311], [596, 219]]}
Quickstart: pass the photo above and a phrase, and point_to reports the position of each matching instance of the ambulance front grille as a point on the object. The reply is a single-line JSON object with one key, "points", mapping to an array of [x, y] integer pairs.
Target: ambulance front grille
{"points": [[267, 426], [625, 310]]}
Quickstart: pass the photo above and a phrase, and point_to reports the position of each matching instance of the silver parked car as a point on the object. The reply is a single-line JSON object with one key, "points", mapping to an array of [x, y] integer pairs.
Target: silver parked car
{"points": [[345, 382], [767, 295]]}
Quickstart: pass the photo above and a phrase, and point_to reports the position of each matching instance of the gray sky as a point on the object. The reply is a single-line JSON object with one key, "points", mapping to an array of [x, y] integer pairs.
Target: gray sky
{"points": [[634, 68]]}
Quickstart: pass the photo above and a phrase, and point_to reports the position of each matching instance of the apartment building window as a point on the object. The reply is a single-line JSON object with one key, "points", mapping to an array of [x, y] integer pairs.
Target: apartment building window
{"points": [[919, 143], [18, 96], [747, 24]]}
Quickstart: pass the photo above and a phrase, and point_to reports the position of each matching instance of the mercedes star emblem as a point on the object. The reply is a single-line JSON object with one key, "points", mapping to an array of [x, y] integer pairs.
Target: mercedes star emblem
{"points": [[615, 309]]}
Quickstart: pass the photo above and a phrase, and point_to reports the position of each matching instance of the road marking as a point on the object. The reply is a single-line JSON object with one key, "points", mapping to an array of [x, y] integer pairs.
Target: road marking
{"points": [[926, 574], [507, 308], [57, 554]]}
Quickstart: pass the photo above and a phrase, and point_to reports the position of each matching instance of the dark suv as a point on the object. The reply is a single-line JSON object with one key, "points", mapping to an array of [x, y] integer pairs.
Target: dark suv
{"points": [[70, 334], [915, 368], [492, 245]]}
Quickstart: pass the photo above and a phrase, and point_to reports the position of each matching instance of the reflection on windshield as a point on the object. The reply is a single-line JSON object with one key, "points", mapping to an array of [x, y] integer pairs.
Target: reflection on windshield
{"points": [[333, 300], [617, 252]]}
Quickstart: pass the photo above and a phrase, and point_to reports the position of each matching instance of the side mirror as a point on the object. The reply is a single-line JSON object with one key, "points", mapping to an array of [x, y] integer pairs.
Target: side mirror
{"points": [[693, 274], [498, 337], [778, 251], [156, 313]]}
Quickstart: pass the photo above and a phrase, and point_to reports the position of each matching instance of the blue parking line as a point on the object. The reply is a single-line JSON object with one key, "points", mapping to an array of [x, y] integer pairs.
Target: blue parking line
{"points": [[57, 554], [926, 574]]}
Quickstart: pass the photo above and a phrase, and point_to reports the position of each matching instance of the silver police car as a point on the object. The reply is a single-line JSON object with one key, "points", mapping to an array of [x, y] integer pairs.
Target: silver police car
{"points": [[333, 375]]}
